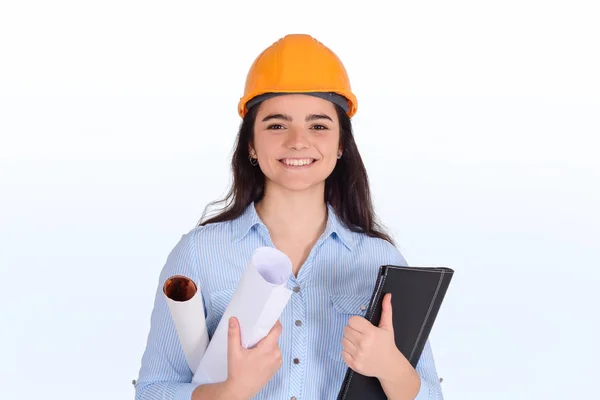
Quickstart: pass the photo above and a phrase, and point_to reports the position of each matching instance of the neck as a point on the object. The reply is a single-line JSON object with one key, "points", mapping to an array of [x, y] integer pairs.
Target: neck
{"points": [[300, 215]]}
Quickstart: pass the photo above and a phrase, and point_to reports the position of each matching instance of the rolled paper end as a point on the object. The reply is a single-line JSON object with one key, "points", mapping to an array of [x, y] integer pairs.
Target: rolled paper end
{"points": [[273, 265], [180, 288]]}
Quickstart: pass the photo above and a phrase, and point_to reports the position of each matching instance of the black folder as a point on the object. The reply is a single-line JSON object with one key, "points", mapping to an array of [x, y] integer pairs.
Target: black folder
{"points": [[417, 295]]}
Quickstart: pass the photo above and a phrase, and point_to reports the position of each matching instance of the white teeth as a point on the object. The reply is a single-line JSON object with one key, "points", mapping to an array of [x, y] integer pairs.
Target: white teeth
{"points": [[297, 161]]}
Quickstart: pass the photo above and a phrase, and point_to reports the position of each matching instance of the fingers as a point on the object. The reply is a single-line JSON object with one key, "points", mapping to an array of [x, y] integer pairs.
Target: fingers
{"points": [[387, 322], [387, 303], [348, 346], [234, 342], [360, 324], [348, 359], [352, 335]]}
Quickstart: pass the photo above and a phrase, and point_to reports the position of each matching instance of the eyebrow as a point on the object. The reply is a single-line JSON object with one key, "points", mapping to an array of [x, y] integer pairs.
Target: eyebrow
{"points": [[285, 117]]}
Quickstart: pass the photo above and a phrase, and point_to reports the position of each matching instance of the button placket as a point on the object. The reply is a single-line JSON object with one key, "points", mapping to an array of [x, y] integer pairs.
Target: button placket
{"points": [[299, 342]]}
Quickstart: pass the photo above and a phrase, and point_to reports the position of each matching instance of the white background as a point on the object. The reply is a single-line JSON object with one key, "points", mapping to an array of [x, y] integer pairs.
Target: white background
{"points": [[478, 122]]}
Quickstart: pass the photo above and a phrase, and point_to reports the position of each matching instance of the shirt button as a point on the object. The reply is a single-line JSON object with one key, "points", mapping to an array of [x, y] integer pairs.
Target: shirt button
{"points": [[363, 307], [298, 322], [296, 361], [296, 289]]}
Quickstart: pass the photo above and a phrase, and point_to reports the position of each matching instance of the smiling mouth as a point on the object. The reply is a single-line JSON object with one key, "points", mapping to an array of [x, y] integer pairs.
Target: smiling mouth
{"points": [[297, 162]]}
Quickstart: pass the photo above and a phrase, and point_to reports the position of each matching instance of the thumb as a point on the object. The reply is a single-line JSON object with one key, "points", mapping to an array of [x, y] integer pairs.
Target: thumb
{"points": [[233, 337], [386, 313]]}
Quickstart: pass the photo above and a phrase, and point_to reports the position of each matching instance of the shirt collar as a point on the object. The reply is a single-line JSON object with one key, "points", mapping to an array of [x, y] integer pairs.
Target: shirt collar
{"points": [[249, 219], [335, 226], [245, 222]]}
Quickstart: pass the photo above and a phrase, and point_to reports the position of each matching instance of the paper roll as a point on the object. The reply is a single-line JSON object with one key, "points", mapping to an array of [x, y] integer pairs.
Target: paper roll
{"points": [[187, 310], [258, 301]]}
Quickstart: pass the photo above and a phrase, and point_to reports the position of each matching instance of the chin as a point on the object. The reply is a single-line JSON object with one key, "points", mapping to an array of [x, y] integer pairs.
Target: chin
{"points": [[298, 185]]}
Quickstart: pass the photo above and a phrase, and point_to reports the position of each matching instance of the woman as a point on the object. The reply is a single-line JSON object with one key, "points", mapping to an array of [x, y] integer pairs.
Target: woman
{"points": [[300, 186]]}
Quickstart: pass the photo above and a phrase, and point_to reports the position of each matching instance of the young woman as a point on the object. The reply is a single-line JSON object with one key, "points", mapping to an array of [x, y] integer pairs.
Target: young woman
{"points": [[299, 186]]}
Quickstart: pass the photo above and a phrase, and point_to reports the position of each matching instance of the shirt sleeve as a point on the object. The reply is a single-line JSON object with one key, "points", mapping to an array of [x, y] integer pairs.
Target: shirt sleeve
{"points": [[430, 383], [164, 373]]}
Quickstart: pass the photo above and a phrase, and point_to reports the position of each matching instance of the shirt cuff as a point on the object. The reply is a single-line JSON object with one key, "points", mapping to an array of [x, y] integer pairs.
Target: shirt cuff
{"points": [[423, 391], [179, 391]]}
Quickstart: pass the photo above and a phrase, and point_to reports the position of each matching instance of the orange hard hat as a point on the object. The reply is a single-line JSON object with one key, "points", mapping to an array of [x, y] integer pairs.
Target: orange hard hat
{"points": [[298, 63]]}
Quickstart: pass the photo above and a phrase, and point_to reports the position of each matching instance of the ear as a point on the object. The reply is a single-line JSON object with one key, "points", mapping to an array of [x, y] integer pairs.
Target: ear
{"points": [[251, 150]]}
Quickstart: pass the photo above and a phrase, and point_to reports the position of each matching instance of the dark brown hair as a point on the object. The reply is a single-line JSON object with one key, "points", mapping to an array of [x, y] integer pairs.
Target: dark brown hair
{"points": [[346, 188]]}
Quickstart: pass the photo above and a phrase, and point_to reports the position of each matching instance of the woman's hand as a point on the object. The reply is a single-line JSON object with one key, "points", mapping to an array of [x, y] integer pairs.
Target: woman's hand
{"points": [[249, 370], [371, 351]]}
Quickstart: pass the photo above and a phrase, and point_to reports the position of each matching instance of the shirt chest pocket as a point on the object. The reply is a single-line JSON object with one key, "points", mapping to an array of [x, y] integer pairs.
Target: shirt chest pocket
{"points": [[342, 308]]}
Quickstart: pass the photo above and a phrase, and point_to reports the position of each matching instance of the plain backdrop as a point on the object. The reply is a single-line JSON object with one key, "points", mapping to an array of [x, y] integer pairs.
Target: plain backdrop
{"points": [[478, 122]]}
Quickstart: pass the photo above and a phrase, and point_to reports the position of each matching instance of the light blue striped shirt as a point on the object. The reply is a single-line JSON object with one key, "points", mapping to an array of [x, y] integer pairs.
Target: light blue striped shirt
{"points": [[334, 283]]}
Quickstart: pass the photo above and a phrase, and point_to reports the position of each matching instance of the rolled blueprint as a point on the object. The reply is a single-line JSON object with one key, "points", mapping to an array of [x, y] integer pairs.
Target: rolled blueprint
{"points": [[258, 301], [187, 310]]}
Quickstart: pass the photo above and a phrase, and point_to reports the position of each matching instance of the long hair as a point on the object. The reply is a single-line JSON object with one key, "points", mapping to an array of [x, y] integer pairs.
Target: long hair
{"points": [[346, 188]]}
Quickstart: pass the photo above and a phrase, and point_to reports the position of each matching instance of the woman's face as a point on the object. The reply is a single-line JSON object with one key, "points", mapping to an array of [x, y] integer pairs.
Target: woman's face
{"points": [[296, 140]]}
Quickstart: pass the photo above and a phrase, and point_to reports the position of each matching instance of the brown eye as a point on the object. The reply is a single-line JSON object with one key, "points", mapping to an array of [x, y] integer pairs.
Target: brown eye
{"points": [[319, 127], [275, 126]]}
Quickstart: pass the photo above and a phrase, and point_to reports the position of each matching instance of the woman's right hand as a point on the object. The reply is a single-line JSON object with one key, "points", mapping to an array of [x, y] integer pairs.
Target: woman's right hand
{"points": [[249, 370]]}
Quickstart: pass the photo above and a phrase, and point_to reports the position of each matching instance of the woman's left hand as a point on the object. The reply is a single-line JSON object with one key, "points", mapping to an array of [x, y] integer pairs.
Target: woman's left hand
{"points": [[371, 350]]}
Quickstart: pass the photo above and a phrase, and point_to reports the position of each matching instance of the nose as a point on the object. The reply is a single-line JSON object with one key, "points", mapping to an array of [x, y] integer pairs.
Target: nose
{"points": [[297, 139]]}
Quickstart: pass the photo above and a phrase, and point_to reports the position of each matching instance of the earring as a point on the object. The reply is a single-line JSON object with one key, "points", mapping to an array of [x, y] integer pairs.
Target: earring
{"points": [[339, 155], [253, 161]]}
